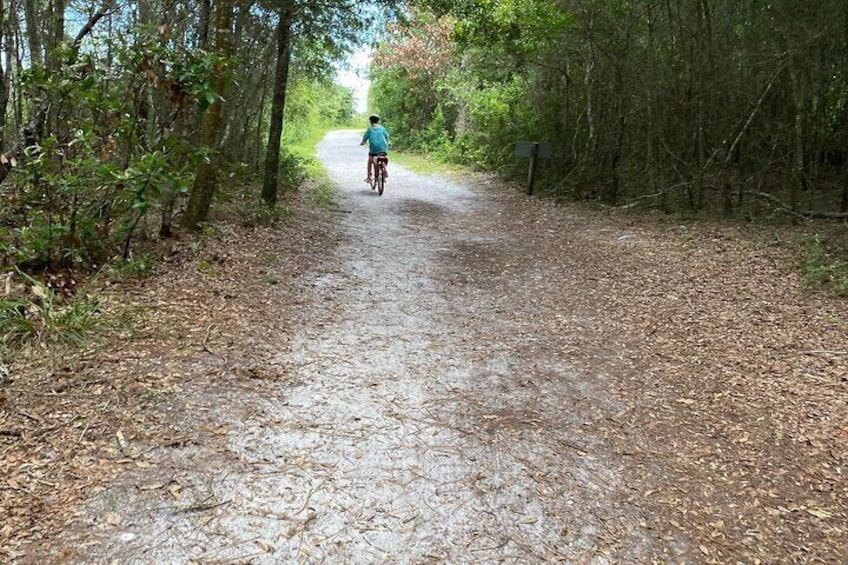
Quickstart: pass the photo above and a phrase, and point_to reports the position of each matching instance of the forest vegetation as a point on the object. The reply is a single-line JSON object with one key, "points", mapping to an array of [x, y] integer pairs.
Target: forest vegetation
{"points": [[121, 121], [208, 348], [725, 109], [728, 106]]}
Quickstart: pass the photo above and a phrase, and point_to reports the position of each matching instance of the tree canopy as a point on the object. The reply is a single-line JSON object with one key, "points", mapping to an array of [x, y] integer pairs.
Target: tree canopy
{"points": [[730, 106], [112, 113]]}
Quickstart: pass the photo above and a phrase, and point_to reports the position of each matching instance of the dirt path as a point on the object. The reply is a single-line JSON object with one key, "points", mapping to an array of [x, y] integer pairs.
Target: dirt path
{"points": [[465, 376], [430, 416]]}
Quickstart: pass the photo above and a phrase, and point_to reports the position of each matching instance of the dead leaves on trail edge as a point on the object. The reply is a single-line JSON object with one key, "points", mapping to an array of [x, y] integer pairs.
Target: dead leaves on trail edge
{"points": [[73, 424], [734, 381], [737, 416]]}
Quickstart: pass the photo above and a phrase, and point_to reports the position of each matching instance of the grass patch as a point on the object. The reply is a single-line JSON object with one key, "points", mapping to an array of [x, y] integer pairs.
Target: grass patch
{"points": [[305, 145], [324, 193], [424, 164], [825, 265], [138, 266], [40, 316], [322, 190]]}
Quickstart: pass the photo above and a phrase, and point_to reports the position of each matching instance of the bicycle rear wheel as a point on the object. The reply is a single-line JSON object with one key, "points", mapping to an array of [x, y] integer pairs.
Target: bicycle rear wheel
{"points": [[381, 181]]}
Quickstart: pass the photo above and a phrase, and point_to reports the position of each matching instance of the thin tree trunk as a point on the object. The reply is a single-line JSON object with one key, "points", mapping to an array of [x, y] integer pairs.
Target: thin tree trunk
{"points": [[200, 197], [4, 78], [232, 134], [53, 64], [33, 31], [256, 150], [13, 60], [278, 105], [799, 173], [588, 82], [260, 119], [43, 116], [651, 131], [57, 33], [203, 28], [843, 205], [696, 201]]}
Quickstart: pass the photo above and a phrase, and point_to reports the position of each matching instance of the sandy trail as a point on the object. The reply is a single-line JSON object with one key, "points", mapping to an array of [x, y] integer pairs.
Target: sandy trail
{"points": [[431, 411]]}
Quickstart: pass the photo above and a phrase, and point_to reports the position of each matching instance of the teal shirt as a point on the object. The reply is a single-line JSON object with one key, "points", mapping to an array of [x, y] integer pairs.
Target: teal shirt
{"points": [[377, 138]]}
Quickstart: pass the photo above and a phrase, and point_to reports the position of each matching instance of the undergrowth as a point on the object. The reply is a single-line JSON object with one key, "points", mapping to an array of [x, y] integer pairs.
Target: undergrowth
{"points": [[825, 265], [40, 316], [322, 190]]}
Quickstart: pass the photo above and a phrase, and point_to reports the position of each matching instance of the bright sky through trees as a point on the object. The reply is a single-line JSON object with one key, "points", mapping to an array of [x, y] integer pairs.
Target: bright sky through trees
{"points": [[353, 74]]}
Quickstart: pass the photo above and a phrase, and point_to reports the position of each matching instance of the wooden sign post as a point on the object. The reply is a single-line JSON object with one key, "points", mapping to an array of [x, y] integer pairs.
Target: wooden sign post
{"points": [[535, 151]]}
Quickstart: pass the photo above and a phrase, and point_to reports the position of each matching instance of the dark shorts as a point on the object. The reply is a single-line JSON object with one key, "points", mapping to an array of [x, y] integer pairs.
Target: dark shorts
{"points": [[383, 154]]}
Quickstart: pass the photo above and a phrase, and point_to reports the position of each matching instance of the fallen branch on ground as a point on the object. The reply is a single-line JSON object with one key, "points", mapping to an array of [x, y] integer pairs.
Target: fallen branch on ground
{"points": [[806, 214]]}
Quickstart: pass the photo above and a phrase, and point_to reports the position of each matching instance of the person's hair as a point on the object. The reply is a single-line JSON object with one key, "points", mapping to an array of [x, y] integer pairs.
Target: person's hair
{"points": [[374, 118]]}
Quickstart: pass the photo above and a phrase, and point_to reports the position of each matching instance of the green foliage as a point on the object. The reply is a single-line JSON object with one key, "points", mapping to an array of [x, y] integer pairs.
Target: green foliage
{"points": [[60, 217], [80, 192], [293, 170], [502, 115], [206, 267], [425, 164], [75, 205], [271, 279], [139, 266], [185, 74], [44, 317], [697, 105], [441, 110], [146, 178], [323, 193], [825, 266], [313, 106], [111, 124], [254, 212]]}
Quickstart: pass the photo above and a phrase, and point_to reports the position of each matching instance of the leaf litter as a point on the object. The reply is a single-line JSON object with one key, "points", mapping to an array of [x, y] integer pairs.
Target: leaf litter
{"points": [[671, 396]]}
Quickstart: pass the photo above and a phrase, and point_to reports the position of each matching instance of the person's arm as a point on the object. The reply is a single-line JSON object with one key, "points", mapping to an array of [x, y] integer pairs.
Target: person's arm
{"points": [[365, 137]]}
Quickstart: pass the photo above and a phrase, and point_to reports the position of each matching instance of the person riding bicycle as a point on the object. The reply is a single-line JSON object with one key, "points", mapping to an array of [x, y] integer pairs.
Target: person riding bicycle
{"points": [[377, 138]]}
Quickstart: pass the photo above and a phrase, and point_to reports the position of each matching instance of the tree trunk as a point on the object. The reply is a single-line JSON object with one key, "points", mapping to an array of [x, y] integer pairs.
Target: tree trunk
{"points": [[799, 173], [200, 197], [13, 62], [588, 83], [203, 28], [57, 33], [704, 46], [843, 170], [53, 64], [259, 122], [278, 105], [4, 78], [33, 31], [843, 205]]}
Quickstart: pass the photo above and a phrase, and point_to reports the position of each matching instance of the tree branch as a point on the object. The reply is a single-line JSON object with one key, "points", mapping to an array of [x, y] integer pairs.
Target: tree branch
{"points": [[805, 214], [89, 25], [729, 154], [31, 132]]}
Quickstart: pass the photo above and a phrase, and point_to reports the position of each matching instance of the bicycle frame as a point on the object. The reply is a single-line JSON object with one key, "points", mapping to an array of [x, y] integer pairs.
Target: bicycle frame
{"points": [[378, 164]]}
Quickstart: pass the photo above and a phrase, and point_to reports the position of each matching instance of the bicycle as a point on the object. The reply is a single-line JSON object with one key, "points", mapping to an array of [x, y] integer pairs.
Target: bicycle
{"points": [[378, 174]]}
